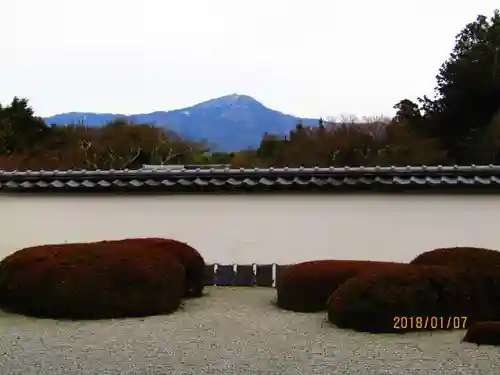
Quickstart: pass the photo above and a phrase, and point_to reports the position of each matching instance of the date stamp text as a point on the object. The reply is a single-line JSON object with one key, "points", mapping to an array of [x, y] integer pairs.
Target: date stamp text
{"points": [[429, 322]]}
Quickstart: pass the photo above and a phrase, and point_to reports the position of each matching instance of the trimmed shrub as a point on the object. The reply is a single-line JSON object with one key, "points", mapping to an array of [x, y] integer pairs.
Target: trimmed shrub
{"points": [[484, 333], [381, 303], [459, 256], [189, 257], [306, 287], [91, 281]]}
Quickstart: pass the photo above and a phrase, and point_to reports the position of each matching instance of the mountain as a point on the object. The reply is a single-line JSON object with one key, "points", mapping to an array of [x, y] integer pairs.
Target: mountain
{"points": [[230, 123]]}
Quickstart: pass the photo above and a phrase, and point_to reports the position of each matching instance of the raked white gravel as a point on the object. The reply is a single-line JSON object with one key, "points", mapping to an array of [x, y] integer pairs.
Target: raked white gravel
{"points": [[229, 331]]}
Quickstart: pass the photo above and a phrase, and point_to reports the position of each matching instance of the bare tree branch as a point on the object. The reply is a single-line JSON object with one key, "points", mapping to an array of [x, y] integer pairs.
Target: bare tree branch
{"points": [[133, 159], [164, 149], [124, 161], [86, 145]]}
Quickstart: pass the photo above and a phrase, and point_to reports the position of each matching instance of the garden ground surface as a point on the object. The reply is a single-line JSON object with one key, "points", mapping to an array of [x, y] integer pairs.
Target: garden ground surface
{"points": [[229, 331]]}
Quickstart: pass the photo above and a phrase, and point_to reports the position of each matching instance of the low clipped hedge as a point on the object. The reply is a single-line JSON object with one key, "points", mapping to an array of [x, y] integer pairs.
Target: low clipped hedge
{"points": [[307, 286], [189, 257], [484, 333], [459, 256], [375, 303], [91, 281]]}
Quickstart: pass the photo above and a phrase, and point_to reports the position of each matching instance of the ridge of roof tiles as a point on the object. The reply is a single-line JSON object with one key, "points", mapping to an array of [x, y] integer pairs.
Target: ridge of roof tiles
{"points": [[166, 178]]}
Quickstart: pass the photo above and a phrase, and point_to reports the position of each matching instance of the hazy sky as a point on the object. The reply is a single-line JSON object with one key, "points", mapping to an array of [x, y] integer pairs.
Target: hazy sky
{"points": [[308, 58]]}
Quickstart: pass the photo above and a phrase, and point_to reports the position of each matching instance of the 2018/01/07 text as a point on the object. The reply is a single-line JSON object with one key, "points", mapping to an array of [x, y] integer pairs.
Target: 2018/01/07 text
{"points": [[429, 322]]}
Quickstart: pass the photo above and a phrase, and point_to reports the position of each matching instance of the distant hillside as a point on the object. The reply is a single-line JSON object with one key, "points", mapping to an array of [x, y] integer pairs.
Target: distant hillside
{"points": [[231, 122]]}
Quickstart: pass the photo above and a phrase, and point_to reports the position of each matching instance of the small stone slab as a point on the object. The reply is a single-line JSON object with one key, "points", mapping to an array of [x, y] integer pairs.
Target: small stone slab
{"points": [[224, 275], [244, 275], [264, 275]]}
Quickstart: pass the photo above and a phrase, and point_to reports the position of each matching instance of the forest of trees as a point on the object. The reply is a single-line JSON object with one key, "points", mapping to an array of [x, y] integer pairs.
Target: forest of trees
{"points": [[460, 124]]}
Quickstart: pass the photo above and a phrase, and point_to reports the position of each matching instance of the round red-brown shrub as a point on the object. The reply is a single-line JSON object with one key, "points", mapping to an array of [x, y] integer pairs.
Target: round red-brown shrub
{"points": [[91, 281], [375, 303], [483, 333], [306, 287], [189, 257], [459, 256]]}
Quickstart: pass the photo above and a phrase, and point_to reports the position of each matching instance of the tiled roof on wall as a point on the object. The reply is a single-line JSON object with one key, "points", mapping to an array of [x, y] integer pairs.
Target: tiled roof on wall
{"points": [[212, 179]]}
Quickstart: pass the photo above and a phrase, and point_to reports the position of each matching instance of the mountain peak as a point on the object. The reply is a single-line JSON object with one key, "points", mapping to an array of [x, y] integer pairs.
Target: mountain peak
{"points": [[230, 100], [230, 122], [236, 96]]}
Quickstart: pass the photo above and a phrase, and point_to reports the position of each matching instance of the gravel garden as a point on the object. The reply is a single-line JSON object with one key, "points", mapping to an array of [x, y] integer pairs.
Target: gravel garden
{"points": [[139, 306]]}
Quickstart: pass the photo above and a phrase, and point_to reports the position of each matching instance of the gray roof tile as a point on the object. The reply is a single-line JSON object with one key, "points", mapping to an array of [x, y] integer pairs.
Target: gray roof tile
{"points": [[332, 178], [105, 184]]}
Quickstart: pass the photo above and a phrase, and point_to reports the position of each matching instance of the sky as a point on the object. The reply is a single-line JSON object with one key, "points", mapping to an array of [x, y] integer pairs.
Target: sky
{"points": [[307, 58]]}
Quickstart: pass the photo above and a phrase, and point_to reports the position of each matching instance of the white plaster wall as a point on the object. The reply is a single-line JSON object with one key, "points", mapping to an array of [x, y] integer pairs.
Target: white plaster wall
{"points": [[257, 228]]}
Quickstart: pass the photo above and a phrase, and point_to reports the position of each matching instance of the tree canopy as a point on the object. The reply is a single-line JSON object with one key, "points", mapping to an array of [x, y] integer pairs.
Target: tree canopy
{"points": [[467, 93]]}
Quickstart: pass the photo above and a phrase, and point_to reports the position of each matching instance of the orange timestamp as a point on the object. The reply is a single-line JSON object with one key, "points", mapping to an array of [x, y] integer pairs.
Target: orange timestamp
{"points": [[429, 322]]}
